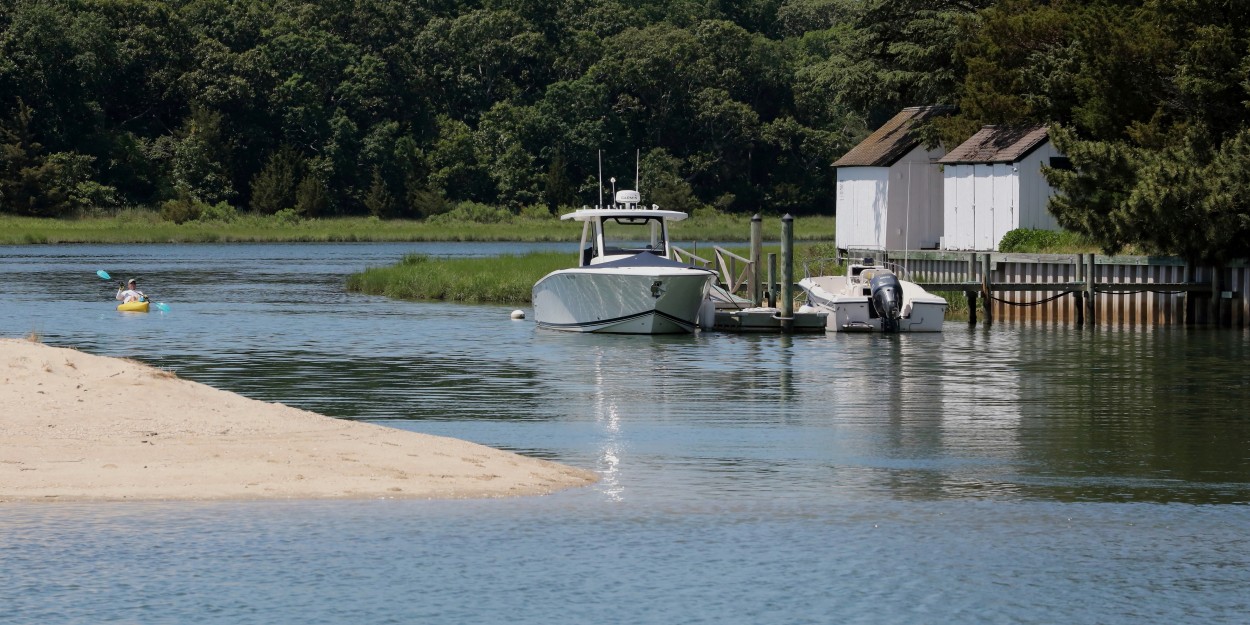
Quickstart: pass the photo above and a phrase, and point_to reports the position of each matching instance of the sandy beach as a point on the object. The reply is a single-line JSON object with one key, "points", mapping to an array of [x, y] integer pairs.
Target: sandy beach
{"points": [[79, 427]]}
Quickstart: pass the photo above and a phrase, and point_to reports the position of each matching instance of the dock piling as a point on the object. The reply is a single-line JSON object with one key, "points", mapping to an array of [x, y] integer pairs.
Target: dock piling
{"points": [[772, 279], [986, 284], [1078, 298], [1091, 310], [753, 277], [786, 308]]}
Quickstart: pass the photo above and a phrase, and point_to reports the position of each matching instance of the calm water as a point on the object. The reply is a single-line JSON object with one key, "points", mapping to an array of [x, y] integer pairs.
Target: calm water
{"points": [[1001, 475]]}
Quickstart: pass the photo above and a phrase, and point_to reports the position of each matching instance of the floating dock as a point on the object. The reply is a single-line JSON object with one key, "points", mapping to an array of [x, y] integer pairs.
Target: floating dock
{"points": [[765, 319]]}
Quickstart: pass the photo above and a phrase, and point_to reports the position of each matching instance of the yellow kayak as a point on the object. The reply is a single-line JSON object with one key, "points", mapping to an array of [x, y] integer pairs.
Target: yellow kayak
{"points": [[133, 307]]}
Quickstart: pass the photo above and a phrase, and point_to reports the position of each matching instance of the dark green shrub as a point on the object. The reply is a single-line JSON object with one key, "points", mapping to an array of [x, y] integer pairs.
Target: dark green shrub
{"points": [[1023, 240]]}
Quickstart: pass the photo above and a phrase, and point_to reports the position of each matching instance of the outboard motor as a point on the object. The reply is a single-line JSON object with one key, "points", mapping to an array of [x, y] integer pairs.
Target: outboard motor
{"points": [[887, 299]]}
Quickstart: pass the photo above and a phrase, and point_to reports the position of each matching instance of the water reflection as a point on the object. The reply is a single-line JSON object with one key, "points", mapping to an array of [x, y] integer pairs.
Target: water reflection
{"points": [[999, 412]]}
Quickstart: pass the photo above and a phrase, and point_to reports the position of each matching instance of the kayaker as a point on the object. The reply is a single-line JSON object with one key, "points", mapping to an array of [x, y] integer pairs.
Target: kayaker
{"points": [[130, 293]]}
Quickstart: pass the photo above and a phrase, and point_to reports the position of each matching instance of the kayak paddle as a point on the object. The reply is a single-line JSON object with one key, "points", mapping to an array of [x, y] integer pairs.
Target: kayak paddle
{"points": [[104, 275]]}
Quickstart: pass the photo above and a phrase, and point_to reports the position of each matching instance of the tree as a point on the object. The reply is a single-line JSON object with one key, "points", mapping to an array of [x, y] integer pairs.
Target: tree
{"points": [[379, 200], [200, 158], [273, 189]]}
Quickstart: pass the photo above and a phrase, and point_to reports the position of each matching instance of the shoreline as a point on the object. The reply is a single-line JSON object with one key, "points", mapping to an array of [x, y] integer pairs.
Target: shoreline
{"points": [[96, 428]]}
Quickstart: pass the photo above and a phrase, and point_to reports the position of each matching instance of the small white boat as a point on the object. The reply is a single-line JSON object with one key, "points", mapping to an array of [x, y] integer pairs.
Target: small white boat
{"points": [[872, 298], [626, 281]]}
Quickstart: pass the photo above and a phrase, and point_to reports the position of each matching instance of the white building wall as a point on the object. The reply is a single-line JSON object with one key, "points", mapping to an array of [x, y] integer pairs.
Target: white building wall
{"points": [[1035, 192], [914, 210], [862, 193]]}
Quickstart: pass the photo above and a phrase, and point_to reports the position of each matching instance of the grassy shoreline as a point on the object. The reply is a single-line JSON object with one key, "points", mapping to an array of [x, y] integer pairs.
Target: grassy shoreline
{"points": [[148, 227]]}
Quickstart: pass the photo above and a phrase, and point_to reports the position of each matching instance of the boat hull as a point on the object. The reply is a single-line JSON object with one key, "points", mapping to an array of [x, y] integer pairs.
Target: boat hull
{"points": [[133, 307], [638, 301], [922, 312]]}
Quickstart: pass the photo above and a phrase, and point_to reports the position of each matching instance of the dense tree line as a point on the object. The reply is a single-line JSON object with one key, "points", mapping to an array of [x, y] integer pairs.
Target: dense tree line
{"points": [[401, 107], [405, 107]]}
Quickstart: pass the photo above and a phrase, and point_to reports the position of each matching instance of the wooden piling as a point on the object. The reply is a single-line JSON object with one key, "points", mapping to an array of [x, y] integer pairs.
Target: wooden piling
{"points": [[786, 305], [753, 277], [1078, 299], [772, 279], [986, 284], [972, 295], [1091, 307]]}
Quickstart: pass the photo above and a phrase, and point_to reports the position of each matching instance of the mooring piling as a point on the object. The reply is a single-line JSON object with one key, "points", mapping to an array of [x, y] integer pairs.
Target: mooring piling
{"points": [[753, 278], [786, 305]]}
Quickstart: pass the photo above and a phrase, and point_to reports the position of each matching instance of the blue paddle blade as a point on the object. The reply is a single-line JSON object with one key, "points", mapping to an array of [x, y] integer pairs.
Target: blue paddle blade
{"points": [[161, 306], [103, 274]]}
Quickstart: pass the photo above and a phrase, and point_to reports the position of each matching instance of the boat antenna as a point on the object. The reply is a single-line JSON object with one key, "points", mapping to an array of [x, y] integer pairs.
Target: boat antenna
{"points": [[601, 178], [613, 179], [637, 171]]}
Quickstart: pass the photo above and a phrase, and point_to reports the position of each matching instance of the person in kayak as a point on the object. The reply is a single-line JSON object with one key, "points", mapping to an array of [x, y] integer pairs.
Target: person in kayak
{"points": [[130, 293]]}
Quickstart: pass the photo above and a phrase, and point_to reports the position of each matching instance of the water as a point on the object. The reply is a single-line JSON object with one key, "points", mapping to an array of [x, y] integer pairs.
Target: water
{"points": [[987, 475]]}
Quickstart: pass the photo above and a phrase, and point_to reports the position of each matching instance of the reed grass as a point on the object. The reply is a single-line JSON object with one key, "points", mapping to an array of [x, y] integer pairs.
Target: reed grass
{"points": [[504, 279]]}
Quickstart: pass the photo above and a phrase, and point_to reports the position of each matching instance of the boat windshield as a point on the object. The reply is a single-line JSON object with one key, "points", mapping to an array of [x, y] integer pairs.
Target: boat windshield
{"points": [[634, 234]]}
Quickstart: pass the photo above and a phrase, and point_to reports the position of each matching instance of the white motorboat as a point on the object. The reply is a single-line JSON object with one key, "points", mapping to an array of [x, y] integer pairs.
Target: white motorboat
{"points": [[626, 281], [872, 298]]}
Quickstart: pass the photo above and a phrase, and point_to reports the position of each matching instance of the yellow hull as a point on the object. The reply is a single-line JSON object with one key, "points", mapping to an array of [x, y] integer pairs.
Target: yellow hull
{"points": [[133, 307]]}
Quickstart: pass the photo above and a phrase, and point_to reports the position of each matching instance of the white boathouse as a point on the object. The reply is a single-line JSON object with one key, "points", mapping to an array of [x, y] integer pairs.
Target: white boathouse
{"points": [[993, 183], [889, 193]]}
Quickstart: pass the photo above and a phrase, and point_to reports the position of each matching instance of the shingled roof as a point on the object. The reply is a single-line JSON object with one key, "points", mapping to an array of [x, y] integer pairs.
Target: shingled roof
{"points": [[893, 140], [997, 144]]}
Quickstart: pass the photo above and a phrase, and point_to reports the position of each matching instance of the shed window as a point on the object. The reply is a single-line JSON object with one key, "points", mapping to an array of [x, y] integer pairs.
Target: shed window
{"points": [[1061, 162]]}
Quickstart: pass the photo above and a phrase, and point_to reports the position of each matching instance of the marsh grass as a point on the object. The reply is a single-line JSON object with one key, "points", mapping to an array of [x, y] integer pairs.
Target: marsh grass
{"points": [[143, 226], [504, 279]]}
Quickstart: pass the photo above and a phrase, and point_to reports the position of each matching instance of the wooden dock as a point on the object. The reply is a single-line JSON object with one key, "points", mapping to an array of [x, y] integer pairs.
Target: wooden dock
{"points": [[1126, 291]]}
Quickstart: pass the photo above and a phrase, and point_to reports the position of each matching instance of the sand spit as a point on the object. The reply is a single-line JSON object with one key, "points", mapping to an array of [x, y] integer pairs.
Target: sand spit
{"points": [[78, 427]]}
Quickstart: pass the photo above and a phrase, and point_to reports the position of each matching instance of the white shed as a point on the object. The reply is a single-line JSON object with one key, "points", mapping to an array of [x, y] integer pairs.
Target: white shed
{"points": [[889, 194], [993, 183]]}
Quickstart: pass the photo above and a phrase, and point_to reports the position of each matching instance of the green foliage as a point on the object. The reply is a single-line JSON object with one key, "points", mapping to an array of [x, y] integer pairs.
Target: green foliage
{"points": [[220, 212], [311, 197], [474, 212], [1029, 240], [274, 188], [499, 103]]}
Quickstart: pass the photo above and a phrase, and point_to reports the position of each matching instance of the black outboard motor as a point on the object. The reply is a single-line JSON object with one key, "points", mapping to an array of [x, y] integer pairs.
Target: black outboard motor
{"points": [[887, 299]]}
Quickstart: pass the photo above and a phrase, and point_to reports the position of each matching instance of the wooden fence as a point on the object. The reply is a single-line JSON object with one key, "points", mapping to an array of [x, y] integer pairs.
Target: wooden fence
{"points": [[1074, 289]]}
